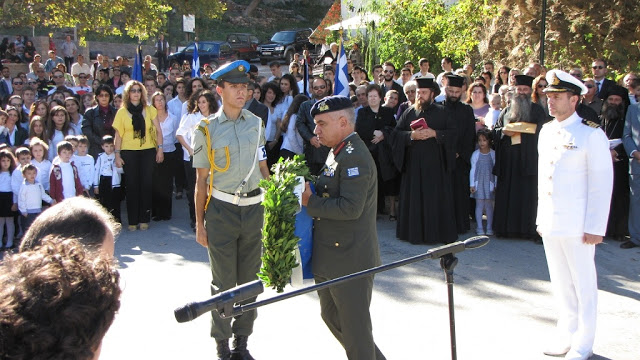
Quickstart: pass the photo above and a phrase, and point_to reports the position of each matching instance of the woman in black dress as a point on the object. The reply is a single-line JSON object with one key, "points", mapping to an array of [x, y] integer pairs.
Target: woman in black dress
{"points": [[374, 124]]}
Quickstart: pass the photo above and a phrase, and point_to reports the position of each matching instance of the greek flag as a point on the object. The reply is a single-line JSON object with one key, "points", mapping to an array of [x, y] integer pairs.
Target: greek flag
{"points": [[137, 66], [195, 63], [342, 80]]}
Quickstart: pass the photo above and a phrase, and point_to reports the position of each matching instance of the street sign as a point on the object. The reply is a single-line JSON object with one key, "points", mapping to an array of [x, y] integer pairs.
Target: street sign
{"points": [[188, 23]]}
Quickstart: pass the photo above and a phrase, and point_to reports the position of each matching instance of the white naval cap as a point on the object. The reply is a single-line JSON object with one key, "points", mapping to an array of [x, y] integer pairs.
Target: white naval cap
{"points": [[560, 81]]}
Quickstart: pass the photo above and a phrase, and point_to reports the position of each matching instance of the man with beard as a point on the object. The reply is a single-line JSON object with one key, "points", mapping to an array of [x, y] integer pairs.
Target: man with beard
{"points": [[517, 165], [462, 115], [390, 84], [612, 122], [315, 153], [426, 158]]}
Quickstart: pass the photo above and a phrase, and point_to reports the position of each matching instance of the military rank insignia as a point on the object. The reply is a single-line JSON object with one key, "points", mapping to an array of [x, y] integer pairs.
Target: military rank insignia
{"points": [[349, 148], [590, 123]]}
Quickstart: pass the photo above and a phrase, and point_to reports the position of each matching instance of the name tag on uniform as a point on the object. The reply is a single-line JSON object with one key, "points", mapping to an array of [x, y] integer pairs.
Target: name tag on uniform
{"points": [[351, 172]]}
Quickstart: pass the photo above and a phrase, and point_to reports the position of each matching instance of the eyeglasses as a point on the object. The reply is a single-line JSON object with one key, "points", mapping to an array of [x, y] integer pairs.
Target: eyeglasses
{"points": [[388, 71], [106, 95], [320, 87], [540, 86], [31, 83], [589, 86], [18, 83], [58, 76], [600, 67], [135, 90]]}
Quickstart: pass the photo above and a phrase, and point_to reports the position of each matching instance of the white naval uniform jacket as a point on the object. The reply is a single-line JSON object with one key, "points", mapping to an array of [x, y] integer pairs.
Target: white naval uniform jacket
{"points": [[575, 179]]}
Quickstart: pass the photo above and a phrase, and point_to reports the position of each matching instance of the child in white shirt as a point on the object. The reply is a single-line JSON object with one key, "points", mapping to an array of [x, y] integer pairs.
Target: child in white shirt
{"points": [[106, 178], [85, 164], [31, 196], [39, 149]]}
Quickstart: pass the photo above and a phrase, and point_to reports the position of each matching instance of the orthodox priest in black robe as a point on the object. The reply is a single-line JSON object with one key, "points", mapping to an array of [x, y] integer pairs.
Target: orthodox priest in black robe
{"points": [[516, 166], [426, 159], [612, 122], [462, 115]]}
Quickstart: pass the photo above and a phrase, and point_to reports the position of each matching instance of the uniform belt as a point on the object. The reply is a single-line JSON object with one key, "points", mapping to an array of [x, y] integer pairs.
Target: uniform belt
{"points": [[243, 199]]}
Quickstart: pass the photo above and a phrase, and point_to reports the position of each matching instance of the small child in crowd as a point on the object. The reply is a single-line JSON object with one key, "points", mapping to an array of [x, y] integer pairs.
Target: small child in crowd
{"points": [[482, 181], [106, 178], [7, 209], [24, 158], [39, 149], [495, 101], [84, 162], [64, 180], [31, 196]]}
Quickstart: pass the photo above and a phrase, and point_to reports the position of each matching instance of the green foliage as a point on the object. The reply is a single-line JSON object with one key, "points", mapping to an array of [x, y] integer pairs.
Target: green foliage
{"points": [[135, 18], [280, 207], [411, 30]]}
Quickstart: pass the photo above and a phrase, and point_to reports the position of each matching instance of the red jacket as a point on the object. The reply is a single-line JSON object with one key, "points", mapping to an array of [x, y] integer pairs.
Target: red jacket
{"points": [[55, 182]]}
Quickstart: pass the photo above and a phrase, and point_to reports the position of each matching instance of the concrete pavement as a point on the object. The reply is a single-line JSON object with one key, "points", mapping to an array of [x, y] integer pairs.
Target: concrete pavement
{"points": [[504, 308]]}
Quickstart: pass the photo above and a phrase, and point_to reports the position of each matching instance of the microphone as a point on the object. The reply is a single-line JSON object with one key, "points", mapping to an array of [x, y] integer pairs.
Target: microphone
{"points": [[222, 302], [476, 242], [458, 246]]}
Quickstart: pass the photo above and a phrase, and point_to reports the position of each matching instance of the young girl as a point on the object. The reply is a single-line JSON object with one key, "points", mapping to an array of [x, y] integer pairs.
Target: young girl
{"points": [[7, 210], [37, 130], [58, 128], [482, 181], [40, 108], [39, 151]]}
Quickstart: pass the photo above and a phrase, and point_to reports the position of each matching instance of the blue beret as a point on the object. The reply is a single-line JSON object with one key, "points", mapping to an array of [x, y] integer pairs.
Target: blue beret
{"points": [[331, 103], [234, 72]]}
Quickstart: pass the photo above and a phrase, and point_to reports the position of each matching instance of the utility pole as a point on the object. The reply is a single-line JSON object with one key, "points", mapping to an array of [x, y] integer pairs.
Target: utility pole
{"points": [[542, 30]]}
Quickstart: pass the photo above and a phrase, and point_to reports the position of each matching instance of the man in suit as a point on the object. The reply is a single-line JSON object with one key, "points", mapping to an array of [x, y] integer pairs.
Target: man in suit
{"points": [[345, 240], [315, 153], [251, 104], [599, 71], [390, 84], [631, 141]]}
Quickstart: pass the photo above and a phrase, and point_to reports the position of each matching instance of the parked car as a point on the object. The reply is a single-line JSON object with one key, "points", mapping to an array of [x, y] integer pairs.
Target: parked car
{"points": [[245, 45], [214, 53], [284, 44]]}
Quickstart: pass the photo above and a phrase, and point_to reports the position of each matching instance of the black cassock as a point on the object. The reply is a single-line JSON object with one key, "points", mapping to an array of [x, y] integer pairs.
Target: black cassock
{"points": [[516, 167], [425, 213], [618, 224], [462, 115]]}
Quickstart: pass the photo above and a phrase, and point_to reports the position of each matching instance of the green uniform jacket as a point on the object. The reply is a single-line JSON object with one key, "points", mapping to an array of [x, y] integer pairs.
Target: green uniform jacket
{"points": [[345, 238]]}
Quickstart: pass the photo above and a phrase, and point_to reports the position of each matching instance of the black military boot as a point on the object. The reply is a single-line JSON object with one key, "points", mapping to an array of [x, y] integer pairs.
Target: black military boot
{"points": [[240, 351], [224, 353]]}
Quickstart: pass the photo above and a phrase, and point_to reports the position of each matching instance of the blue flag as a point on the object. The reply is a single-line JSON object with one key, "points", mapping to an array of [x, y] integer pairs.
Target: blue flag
{"points": [[342, 80], [195, 63], [137, 66], [305, 82]]}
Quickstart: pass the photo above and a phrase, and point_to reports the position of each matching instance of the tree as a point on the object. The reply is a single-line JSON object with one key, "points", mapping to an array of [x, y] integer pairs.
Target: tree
{"points": [[252, 6], [136, 18], [577, 32], [411, 30]]}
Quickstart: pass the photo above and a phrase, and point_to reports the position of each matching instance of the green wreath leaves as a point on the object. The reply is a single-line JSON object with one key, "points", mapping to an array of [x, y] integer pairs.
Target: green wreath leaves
{"points": [[280, 208]]}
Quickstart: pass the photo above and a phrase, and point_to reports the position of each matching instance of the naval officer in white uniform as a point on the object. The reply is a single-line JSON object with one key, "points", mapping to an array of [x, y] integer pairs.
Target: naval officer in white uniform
{"points": [[575, 180]]}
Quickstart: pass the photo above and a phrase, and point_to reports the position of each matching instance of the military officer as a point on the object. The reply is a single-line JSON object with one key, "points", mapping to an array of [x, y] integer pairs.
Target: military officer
{"points": [[345, 238], [575, 180], [230, 160]]}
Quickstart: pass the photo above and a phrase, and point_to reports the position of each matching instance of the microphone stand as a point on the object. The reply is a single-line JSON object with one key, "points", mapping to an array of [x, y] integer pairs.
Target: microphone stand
{"points": [[226, 303]]}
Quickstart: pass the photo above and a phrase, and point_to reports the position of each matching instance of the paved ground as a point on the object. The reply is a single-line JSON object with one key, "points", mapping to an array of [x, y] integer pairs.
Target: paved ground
{"points": [[502, 296]]}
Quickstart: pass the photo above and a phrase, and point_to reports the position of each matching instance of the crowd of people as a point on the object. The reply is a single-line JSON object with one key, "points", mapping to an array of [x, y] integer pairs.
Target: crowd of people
{"points": [[483, 169]]}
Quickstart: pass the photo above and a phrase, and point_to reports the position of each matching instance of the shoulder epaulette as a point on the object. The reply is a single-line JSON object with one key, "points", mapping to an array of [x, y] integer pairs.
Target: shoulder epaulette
{"points": [[590, 123], [202, 126]]}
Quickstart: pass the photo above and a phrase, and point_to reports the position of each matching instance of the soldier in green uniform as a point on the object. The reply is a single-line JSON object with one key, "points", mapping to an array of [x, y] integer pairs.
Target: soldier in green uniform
{"points": [[230, 161], [345, 238]]}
